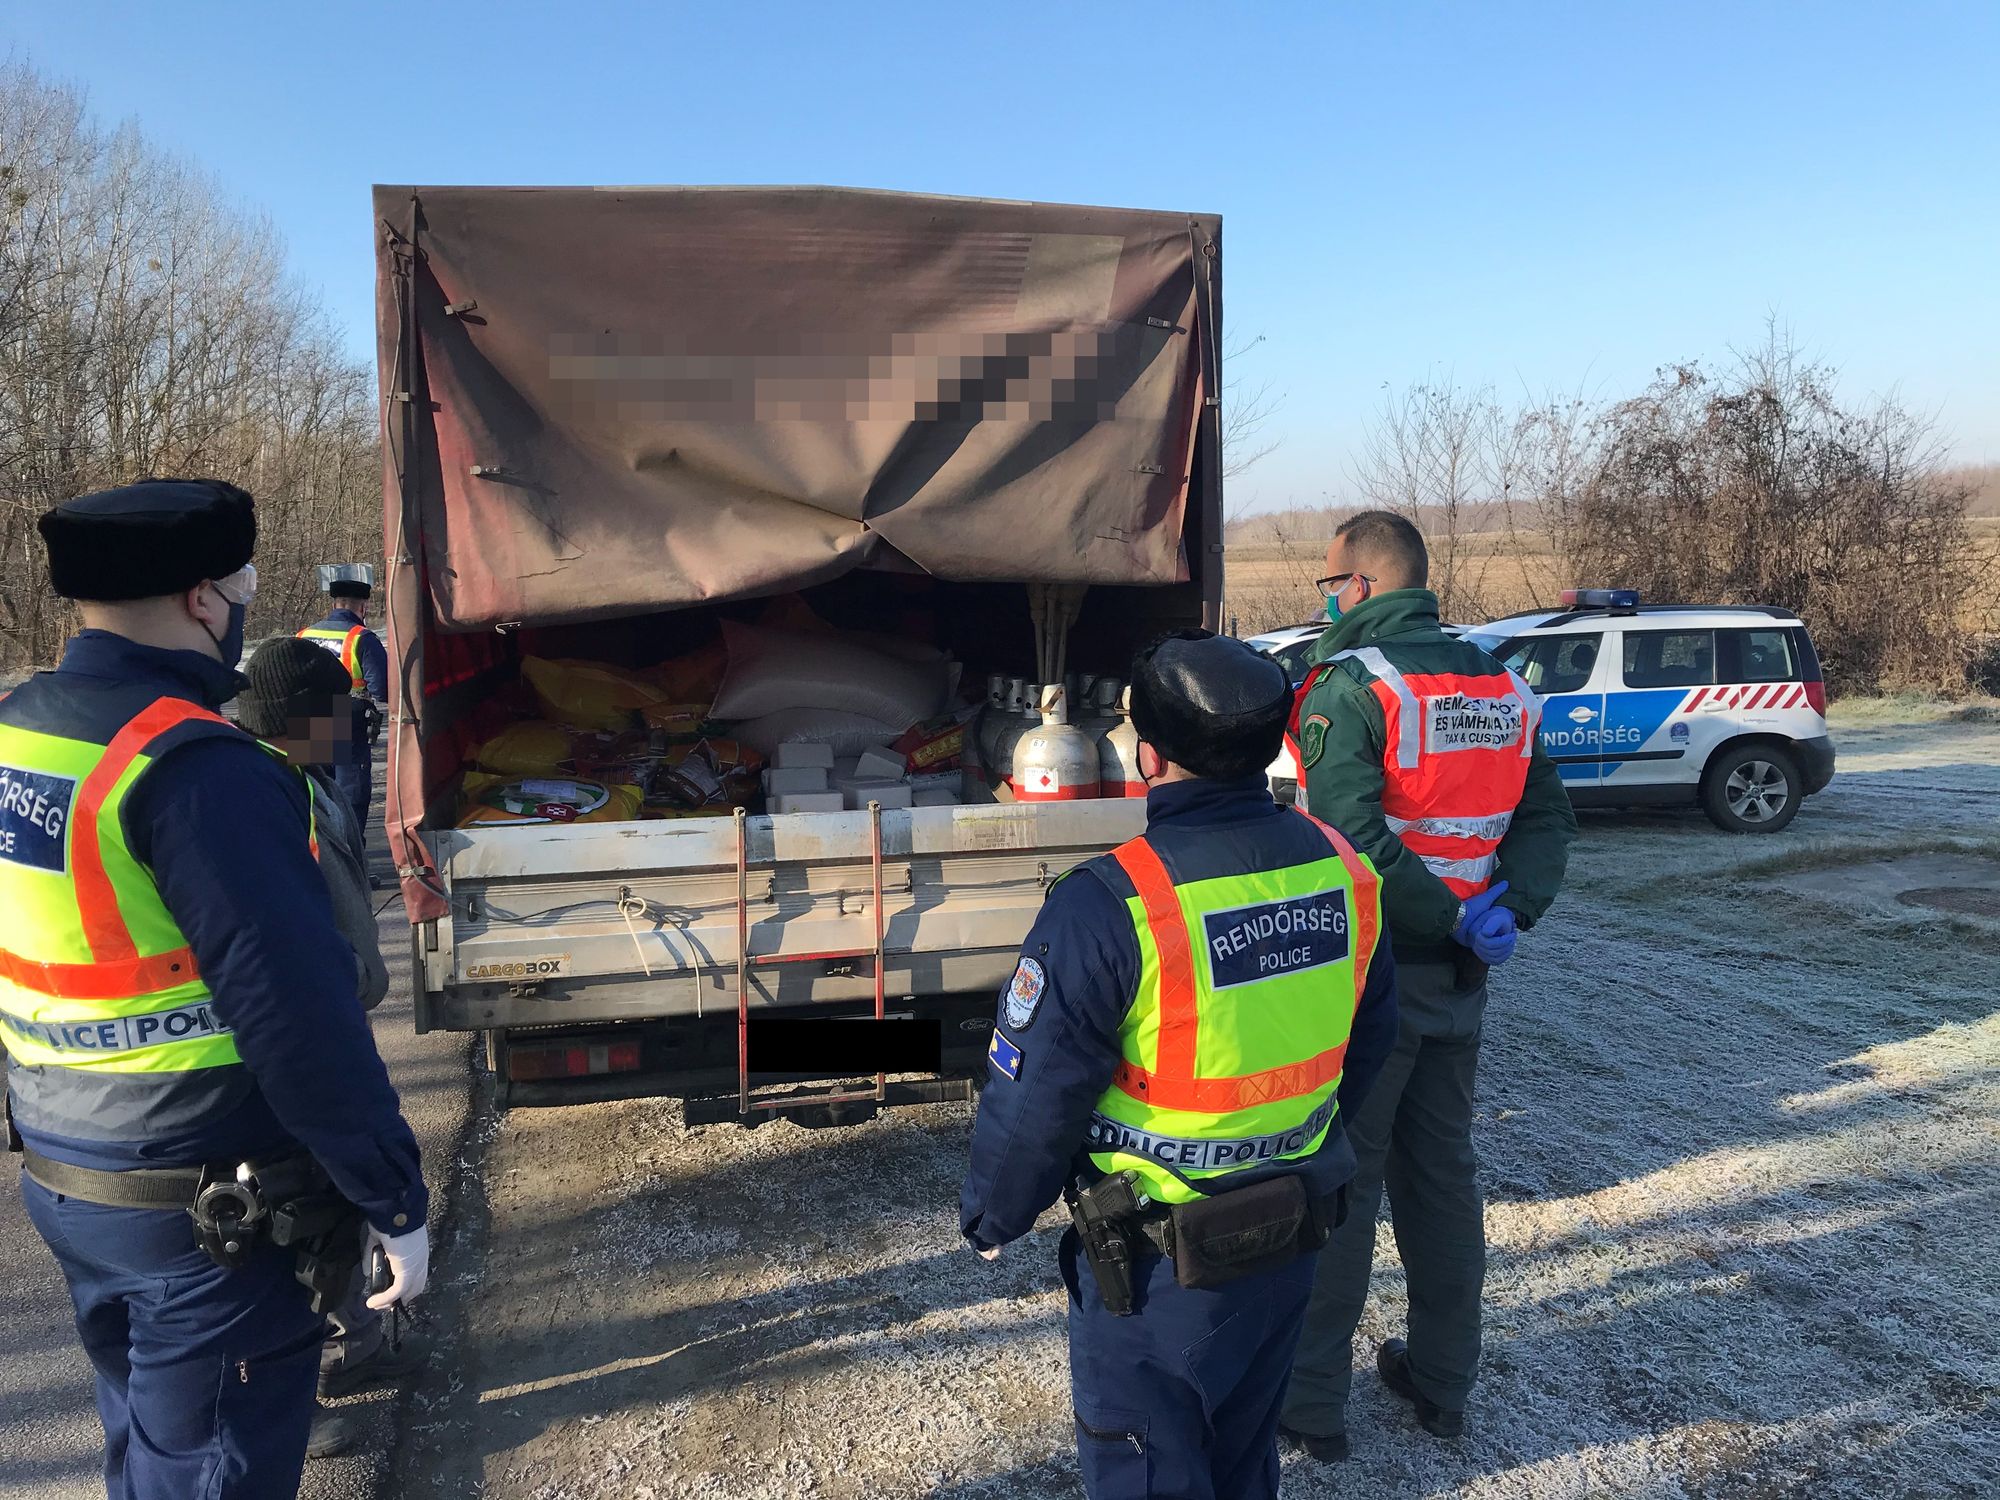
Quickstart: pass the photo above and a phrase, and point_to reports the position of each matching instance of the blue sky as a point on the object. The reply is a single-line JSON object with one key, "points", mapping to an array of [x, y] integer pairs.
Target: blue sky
{"points": [[1533, 196]]}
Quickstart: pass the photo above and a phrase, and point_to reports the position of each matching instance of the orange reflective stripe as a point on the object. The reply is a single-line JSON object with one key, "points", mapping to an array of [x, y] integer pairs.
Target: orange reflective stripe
{"points": [[1220, 1096], [350, 651], [1366, 883], [116, 979], [1177, 1087], [96, 900], [1179, 1013]]}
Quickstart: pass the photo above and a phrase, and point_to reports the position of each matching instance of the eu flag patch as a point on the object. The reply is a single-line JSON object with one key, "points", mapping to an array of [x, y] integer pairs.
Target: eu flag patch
{"points": [[1004, 1055]]}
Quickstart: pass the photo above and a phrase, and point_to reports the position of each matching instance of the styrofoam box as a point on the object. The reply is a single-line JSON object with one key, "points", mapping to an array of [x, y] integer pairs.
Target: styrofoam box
{"points": [[794, 779], [879, 765], [799, 753], [804, 802], [889, 793], [934, 796]]}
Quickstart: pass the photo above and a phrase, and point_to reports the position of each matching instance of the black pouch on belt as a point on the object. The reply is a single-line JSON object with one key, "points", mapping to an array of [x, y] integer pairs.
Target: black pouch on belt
{"points": [[309, 1216], [1261, 1227]]}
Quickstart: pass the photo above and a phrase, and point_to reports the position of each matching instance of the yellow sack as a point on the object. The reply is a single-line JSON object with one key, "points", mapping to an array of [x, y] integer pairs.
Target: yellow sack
{"points": [[589, 694], [525, 750], [520, 800]]}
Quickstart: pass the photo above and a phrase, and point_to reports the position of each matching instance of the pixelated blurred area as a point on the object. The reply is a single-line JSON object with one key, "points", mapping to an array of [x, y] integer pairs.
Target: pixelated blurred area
{"points": [[921, 377]]}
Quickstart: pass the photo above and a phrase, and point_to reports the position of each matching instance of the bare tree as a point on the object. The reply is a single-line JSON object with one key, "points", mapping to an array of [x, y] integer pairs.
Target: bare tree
{"points": [[1435, 455], [1756, 485], [1246, 411], [147, 327]]}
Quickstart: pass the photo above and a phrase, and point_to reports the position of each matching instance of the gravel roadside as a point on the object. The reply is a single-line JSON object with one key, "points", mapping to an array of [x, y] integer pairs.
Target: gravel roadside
{"points": [[1742, 1150]]}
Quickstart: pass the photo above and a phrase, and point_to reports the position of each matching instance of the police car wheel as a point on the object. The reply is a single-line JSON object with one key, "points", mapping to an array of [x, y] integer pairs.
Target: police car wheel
{"points": [[1755, 789]]}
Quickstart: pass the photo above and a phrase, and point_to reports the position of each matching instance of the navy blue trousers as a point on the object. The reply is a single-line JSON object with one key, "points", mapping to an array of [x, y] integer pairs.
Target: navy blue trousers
{"points": [[1180, 1400], [205, 1377], [357, 780]]}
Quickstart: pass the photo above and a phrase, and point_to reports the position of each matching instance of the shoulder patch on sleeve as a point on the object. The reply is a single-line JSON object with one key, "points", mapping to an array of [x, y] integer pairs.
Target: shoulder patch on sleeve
{"points": [[1312, 740], [1024, 994], [1004, 1055]]}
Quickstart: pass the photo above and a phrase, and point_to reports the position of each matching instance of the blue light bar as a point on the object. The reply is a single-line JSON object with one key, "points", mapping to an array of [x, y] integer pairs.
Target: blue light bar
{"points": [[1601, 598]]}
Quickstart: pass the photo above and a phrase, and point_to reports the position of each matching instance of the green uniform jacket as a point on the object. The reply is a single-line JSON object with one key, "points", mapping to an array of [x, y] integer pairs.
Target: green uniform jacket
{"points": [[1343, 783]]}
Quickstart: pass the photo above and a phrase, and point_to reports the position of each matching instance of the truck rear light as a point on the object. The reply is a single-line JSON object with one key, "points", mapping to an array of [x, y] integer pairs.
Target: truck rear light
{"points": [[571, 1060], [1816, 696]]}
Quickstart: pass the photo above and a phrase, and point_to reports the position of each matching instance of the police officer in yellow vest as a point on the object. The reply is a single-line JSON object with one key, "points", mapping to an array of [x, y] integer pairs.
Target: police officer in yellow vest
{"points": [[204, 1122], [1190, 1023], [344, 632]]}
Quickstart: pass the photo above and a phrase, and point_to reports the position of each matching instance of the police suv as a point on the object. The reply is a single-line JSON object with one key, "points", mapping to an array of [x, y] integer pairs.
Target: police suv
{"points": [[1661, 704]]}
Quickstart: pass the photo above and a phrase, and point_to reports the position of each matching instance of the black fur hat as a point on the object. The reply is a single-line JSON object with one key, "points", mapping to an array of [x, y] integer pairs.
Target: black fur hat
{"points": [[142, 540], [1209, 703]]}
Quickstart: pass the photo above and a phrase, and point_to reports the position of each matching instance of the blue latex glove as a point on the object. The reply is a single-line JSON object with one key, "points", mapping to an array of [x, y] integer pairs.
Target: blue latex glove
{"points": [[1476, 907], [1493, 936]]}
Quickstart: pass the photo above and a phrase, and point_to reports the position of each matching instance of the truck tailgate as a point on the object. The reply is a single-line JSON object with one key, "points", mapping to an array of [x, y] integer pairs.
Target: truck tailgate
{"points": [[554, 925]]}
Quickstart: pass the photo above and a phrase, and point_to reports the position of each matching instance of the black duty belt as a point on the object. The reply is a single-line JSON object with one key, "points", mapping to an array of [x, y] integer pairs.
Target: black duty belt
{"points": [[145, 1187]]}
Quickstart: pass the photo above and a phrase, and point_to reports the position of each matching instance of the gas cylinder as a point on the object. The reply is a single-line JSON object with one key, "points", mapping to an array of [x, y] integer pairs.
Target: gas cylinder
{"points": [[1118, 754], [1015, 723], [1100, 709], [973, 787], [990, 716], [1054, 761]]}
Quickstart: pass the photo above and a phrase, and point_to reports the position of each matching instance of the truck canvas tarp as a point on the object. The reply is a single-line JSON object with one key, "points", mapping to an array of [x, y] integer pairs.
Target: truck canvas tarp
{"points": [[611, 402]]}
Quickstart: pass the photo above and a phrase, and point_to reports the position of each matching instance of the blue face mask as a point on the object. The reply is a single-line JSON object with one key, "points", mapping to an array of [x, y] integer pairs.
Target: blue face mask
{"points": [[231, 644]]}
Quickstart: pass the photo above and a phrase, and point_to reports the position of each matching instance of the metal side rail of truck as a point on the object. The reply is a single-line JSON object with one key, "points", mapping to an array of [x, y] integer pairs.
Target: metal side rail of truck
{"points": [[621, 959], [619, 420]]}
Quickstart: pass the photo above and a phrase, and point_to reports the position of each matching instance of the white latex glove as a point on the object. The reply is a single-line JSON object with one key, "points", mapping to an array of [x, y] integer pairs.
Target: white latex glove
{"points": [[409, 1265]]}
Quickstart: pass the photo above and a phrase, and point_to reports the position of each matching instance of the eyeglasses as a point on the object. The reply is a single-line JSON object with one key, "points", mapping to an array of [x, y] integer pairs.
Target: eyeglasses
{"points": [[1328, 587]]}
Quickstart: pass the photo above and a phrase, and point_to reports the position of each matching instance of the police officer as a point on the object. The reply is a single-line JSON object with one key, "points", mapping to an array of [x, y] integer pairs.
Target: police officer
{"points": [[178, 1006], [344, 631], [1426, 752], [1192, 1020]]}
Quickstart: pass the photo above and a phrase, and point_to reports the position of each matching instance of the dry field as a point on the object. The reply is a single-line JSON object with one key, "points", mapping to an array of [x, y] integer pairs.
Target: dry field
{"points": [[1268, 583]]}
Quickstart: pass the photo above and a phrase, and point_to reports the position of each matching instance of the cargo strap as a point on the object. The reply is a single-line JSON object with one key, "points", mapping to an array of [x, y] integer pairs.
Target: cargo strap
{"points": [[171, 1187]]}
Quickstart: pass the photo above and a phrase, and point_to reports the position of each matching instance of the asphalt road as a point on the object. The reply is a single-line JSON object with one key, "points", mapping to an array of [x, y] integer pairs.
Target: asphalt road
{"points": [[50, 1443]]}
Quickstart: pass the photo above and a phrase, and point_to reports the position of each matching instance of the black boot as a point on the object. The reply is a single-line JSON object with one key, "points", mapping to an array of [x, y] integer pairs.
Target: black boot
{"points": [[1327, 1448], [1392, 1362], [332, 1434]]}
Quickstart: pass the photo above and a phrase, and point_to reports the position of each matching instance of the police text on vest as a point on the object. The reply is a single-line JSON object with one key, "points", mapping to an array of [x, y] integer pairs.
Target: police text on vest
{"points": [[1275, 938], [34, 811]]}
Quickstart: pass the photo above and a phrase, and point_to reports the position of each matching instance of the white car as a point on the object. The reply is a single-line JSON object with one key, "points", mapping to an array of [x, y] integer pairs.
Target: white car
{"points": [[1290, 647], [1720, 706]]}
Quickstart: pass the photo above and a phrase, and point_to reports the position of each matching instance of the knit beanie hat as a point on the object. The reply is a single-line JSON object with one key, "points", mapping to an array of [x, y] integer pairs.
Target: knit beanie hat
{"points": [[290, 679]]}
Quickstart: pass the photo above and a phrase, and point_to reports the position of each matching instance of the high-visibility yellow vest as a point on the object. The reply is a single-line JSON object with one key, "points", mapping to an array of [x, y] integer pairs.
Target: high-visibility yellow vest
{"points": [[1233, 1047], [344, 642], [95, 974]]}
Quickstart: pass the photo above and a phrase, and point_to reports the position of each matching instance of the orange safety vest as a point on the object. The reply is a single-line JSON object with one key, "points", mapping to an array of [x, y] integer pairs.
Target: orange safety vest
{"points": [[1456, 749], [344, 644]]}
